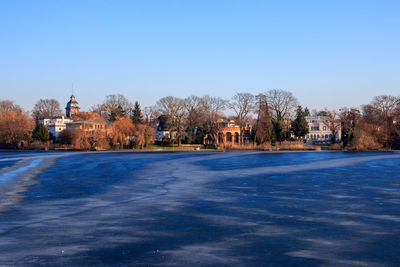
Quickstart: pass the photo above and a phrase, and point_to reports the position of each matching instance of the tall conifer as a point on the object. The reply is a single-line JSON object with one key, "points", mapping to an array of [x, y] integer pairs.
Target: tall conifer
{"points": [[137, 117]]}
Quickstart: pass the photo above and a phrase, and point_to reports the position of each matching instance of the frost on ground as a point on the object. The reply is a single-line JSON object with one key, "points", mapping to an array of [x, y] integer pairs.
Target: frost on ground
{"points": [[194, 208]]}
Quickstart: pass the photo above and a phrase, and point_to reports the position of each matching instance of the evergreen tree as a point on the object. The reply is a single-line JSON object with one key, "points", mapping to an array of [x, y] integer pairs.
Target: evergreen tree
{"points": [[280, 134], [137, 117], [300, 124], [40, 133]]}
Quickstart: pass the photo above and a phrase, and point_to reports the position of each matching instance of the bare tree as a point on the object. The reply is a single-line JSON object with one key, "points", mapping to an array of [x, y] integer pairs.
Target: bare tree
{"points": [[242, 104], [213, 108], [385, 106], [323, 112], [282, 105], [149, 115], [332, 121], [174, 109], [99, 109], [263, 125], [114, 106], [46, 108], [370, 114], [7, 105], [194, 114]]}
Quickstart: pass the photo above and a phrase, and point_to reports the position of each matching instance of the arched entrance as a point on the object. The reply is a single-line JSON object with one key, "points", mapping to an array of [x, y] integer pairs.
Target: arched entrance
{"points": [[236, 138], [229, 137]]}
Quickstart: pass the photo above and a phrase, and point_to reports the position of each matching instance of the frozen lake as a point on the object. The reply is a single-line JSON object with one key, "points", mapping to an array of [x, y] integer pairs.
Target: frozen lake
{"points": [[200, 208]]}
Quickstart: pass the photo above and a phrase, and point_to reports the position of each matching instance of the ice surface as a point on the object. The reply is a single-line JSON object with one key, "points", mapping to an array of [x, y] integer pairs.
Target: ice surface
{"points": [[194, 208], [8, 176]]}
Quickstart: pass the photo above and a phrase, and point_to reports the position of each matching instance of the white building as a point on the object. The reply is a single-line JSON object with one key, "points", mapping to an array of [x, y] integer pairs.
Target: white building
{"points": [[56, 125], [319, 131]]}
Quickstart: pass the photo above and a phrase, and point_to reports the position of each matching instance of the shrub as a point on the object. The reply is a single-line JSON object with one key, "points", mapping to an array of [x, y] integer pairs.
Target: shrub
{"points": [[365, 141], [41, 133]]}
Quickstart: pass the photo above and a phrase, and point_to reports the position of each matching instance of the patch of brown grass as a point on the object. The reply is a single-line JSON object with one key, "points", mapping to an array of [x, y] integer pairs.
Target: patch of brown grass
{"points": [[290, 145]]}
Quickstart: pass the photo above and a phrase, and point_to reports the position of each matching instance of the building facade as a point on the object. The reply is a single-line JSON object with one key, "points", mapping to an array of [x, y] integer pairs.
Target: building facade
{"points": [[87, 126], [56, 125], [319, 130], [229, 133]]}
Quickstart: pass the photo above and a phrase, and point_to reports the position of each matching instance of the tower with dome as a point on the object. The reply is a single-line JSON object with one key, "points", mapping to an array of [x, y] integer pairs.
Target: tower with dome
{"points": [[72, 107]]}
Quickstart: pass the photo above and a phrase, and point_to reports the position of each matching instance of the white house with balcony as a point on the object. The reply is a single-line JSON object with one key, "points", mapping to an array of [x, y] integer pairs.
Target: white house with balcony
{"points": [[319, 131], [56, 125]]}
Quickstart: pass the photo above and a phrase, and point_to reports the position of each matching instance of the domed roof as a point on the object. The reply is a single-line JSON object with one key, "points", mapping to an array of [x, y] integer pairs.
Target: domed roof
{"points": [[72, 103]]}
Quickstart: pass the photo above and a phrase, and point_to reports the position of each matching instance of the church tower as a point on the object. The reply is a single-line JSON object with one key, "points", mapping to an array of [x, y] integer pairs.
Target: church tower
{"points": [[72, 107]]}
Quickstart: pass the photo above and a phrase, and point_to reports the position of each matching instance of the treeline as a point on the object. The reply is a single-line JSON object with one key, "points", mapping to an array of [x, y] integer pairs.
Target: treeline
{"points": [[18, 129], [269, 117]]}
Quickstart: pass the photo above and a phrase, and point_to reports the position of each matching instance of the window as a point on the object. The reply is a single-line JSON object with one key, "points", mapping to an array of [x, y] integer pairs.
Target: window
{"points": [[324, 128]]}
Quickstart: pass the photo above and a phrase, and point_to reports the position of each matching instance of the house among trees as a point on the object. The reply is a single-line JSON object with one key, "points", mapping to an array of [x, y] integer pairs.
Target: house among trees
{"points": [[322, 130], [55, 125], [58, 124], [162, 127], [116, 123]]}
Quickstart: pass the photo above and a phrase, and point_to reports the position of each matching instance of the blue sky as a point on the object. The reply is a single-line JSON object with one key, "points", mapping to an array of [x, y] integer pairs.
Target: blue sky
{"points": [[327, 53]]}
